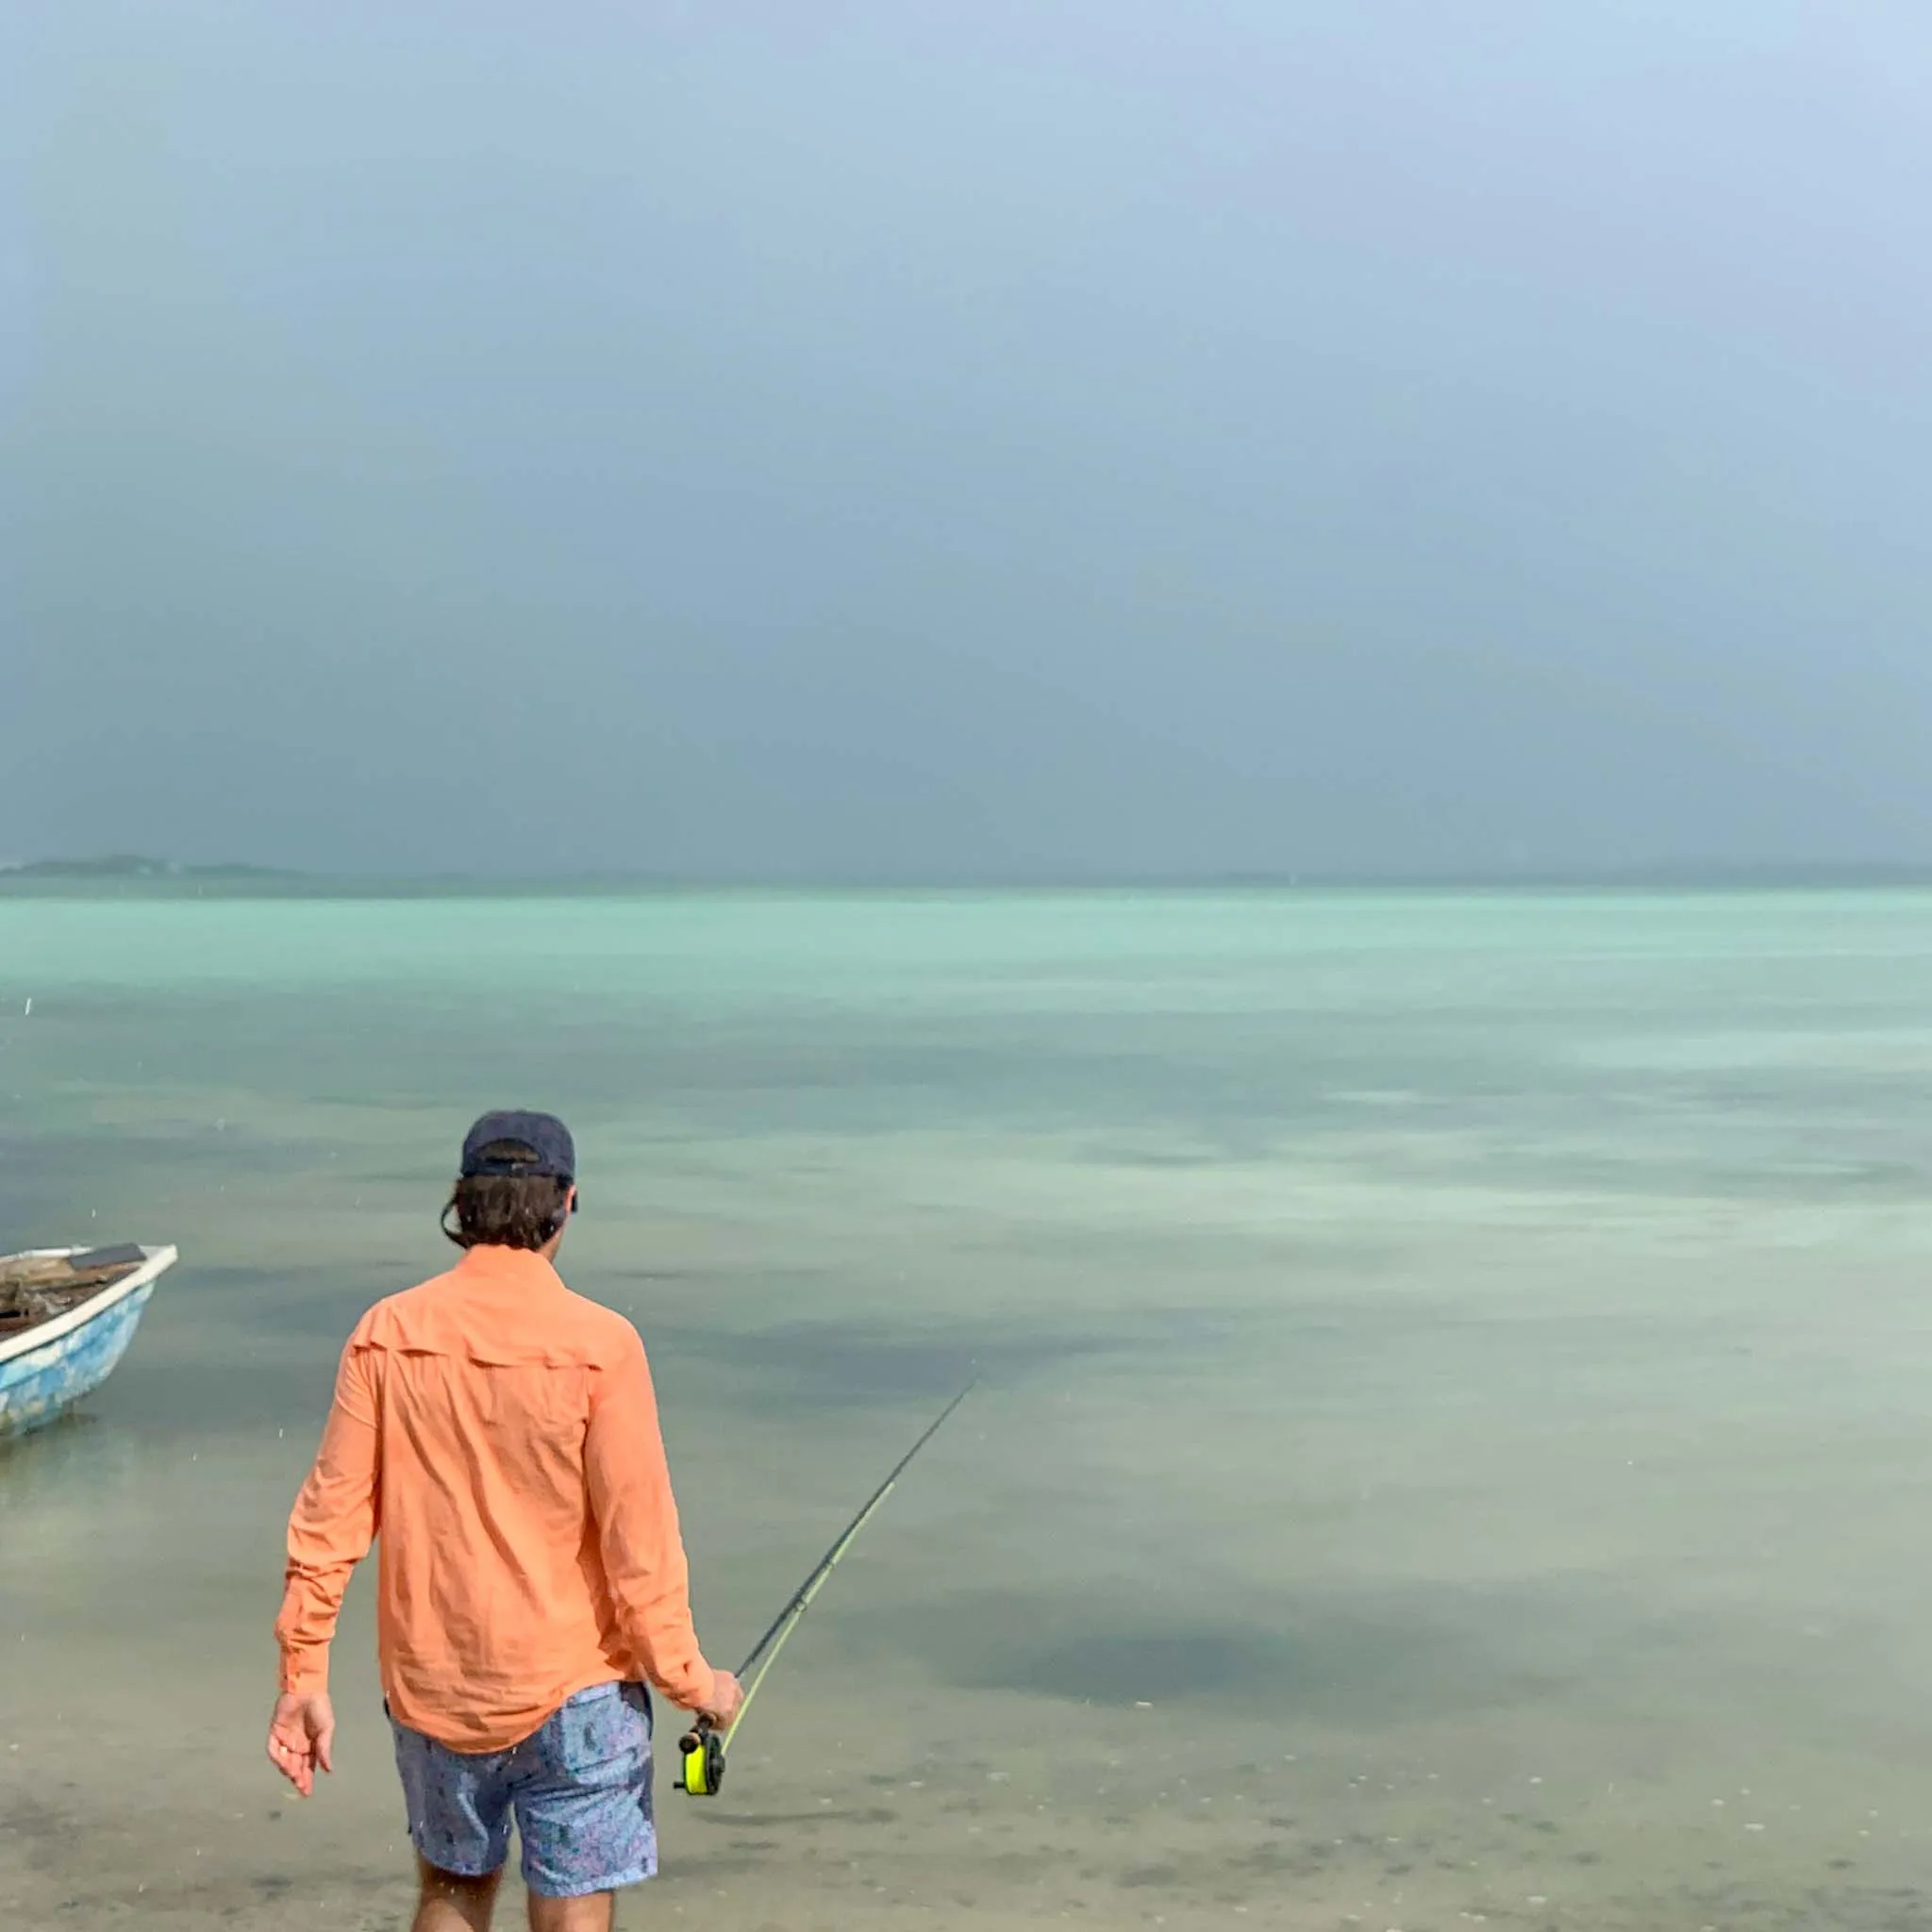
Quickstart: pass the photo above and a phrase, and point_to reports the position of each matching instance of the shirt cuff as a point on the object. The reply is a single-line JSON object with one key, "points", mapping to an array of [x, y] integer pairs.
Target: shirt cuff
{"points": [[696, 1690], [305, 1674]]}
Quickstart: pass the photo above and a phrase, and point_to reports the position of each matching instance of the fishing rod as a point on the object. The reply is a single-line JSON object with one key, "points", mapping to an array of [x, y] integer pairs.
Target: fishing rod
{"points": [[703, 1746]]}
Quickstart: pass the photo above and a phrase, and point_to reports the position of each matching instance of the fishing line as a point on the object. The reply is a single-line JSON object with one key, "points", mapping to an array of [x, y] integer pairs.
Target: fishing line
{"points": [[702, 1748]]}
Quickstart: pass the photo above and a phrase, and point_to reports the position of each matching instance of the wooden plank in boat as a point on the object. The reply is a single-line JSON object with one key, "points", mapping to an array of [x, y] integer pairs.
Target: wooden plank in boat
{"points": [[35, 1287]]}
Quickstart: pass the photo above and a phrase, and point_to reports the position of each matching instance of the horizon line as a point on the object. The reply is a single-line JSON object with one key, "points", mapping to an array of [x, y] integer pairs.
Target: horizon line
{"points": [[117, 869]]}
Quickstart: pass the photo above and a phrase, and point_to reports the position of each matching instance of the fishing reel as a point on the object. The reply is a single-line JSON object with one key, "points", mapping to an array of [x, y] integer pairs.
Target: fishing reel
{"points": [[701, 1753]]}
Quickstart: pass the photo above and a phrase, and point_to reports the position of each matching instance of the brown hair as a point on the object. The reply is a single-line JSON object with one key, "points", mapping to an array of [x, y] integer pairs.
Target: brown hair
{"points": [[507, 1210]]}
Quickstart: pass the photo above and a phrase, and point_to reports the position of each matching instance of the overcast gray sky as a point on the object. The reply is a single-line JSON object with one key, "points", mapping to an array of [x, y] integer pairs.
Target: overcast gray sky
{"points": [[938, 437]]}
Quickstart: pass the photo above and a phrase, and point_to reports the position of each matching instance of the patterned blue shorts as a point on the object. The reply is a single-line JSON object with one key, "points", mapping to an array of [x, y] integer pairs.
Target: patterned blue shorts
{"points": [[580, 1788]]}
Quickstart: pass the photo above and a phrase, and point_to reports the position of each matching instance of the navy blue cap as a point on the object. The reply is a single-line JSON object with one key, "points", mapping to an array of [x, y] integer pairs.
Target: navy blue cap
{"points": [[520, 1143]]}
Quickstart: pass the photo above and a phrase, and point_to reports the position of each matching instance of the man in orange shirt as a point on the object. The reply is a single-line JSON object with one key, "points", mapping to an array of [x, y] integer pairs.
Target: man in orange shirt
{"points": [[500, 1433]]}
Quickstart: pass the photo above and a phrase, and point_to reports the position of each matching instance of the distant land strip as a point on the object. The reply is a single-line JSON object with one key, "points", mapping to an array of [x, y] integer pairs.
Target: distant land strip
{"points": [[129, 865], [116, 872]]}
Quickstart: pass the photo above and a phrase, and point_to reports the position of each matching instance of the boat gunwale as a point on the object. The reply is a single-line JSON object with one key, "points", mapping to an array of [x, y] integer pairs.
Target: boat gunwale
{"points": [[57, 1327]]}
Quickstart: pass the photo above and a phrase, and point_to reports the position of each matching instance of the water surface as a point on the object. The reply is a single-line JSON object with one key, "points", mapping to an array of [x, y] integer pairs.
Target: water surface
{"points": [[1455, 1437]]}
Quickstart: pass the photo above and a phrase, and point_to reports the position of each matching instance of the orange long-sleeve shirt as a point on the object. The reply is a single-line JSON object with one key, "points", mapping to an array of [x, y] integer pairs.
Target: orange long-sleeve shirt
{"points": [[500, 1434]]}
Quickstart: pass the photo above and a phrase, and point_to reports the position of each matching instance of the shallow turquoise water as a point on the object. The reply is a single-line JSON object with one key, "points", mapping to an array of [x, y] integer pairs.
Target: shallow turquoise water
{"points": [[1459, 1361]]}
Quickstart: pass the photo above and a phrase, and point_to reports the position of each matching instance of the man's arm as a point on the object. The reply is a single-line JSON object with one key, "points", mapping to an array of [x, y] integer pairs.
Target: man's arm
{"points": [[334, 1522], [637, 1528]]}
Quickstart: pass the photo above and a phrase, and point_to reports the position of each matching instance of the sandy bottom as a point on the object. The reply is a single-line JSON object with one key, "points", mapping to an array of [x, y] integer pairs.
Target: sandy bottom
{"points": [[1391, 1758], [960, 1841]]}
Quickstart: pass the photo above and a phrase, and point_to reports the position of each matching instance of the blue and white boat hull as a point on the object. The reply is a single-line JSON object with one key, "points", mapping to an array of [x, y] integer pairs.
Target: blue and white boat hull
{"points": [[49, 1367]]}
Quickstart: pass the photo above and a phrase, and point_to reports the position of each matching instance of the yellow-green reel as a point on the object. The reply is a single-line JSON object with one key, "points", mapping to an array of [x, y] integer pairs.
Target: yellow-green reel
{"points": [[701, 1753]]}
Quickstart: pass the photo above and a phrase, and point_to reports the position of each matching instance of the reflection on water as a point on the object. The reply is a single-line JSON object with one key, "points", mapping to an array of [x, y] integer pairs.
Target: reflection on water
{"points": [[1453, 1442]]}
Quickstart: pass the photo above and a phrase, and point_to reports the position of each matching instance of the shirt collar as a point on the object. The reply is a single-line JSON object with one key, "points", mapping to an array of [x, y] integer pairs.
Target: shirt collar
{"points": [[517, 1268]]}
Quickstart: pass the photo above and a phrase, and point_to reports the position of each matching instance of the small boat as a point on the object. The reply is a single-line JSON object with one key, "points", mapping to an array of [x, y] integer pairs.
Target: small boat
{"points": [[66, 1317]]}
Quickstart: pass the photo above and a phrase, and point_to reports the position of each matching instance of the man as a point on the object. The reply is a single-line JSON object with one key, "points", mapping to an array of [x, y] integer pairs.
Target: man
{"points": [[500, 1433]]}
